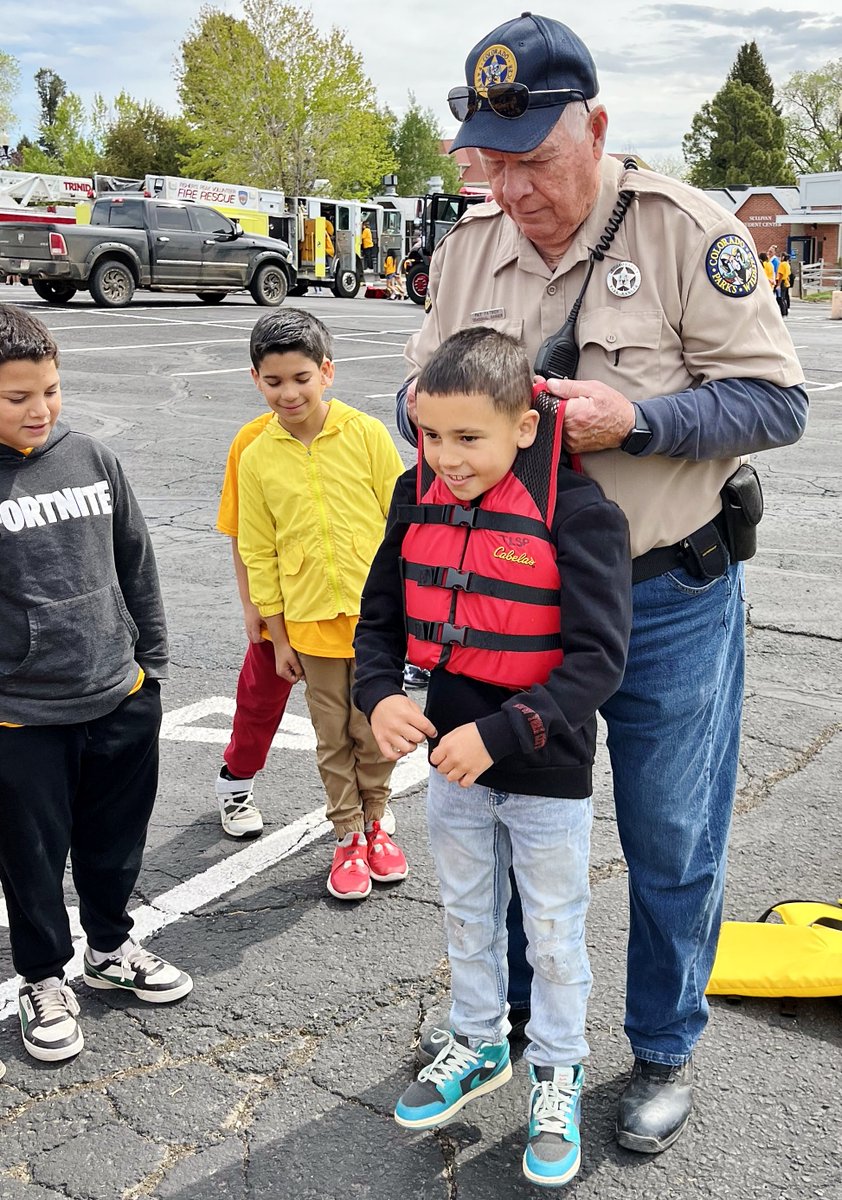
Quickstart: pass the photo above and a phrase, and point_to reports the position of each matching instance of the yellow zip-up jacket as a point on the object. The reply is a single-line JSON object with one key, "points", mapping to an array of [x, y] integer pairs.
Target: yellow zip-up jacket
{"points": [[312, 517]]}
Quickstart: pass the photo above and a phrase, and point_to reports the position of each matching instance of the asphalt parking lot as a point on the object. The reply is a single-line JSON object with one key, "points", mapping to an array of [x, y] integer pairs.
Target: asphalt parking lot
{"points": [[276, 1078]]}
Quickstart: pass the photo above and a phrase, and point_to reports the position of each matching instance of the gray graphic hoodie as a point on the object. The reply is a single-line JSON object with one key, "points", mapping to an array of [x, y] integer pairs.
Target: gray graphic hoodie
{"points": [[80, 604]]}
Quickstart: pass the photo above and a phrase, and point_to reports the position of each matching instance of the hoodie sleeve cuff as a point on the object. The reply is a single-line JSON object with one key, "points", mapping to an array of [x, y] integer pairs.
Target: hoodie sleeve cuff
{"points": [[497, 735]]}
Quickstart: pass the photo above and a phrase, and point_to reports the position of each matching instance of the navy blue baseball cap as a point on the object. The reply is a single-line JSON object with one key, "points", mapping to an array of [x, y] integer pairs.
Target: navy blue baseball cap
{"points": [[531, 52]]}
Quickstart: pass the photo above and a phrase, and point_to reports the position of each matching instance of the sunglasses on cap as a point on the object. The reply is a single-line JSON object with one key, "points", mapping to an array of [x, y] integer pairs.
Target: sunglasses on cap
{"points": [[508, 100]]}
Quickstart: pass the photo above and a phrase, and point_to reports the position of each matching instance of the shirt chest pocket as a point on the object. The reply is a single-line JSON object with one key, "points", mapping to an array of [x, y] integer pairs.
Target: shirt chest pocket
{"points": [[513, 326], [622, 349]]}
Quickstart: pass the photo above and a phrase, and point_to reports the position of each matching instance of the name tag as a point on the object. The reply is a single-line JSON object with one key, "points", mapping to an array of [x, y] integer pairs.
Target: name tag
{"points": [[488, 314]]}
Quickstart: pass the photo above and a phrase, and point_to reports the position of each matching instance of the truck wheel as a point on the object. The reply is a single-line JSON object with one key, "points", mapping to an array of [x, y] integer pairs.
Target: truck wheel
{"points": [[346, 284], [417, 282], [53, 293], [211, 297], [269, 286], [112, 284]]}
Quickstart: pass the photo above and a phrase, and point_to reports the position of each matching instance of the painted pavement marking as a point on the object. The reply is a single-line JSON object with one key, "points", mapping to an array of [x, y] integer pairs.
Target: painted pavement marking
{"points": [[180, 725]]}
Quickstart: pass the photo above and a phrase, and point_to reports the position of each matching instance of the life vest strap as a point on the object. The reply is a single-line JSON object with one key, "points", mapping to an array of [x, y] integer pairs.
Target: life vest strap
{"points": [[442, 633], [471, 518], [481, 585]]}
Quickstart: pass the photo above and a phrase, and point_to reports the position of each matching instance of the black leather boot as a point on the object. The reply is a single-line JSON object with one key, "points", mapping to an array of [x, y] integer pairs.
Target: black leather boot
{"points": [[655, 1106]]}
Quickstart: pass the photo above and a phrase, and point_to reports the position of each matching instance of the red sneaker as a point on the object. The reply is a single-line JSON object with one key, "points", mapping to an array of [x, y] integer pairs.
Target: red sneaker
{"points": [[350, 878], [386, 861]]}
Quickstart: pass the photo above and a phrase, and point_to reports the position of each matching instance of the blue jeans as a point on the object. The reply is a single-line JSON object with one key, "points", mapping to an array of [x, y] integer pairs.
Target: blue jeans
{"points": [[476, 835], [673, 737]]}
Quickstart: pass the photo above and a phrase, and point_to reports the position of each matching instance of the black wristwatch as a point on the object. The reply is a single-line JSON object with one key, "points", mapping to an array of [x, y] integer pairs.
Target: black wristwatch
{"points": [[639, 438]]}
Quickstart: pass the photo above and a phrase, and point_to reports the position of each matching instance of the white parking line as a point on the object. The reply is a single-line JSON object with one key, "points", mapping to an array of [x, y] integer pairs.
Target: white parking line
{"points": [[230, 370], [822, 387], [156, 346], [224, 876]]}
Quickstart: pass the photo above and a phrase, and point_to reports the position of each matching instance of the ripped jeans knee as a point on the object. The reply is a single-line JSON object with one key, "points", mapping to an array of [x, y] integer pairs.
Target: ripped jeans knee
{"points": [[469, 938], [557, 957]]}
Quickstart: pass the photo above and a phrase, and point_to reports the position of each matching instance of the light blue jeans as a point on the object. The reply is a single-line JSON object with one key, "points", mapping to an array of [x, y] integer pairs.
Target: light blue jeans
{"points": [[674, 736], [476, 835]]}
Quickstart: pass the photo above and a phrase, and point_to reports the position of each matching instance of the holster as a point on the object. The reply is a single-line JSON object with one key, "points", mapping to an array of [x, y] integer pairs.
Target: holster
{"points": [[742, 508]]}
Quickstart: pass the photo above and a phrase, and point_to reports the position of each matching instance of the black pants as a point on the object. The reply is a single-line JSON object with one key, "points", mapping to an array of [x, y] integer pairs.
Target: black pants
{"points": [[84, 789]]}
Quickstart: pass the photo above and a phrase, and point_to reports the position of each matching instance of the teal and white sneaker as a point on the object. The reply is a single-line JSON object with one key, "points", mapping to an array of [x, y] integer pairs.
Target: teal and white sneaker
{"points": [[132, 969], [553, 1151], [456, 1076]]}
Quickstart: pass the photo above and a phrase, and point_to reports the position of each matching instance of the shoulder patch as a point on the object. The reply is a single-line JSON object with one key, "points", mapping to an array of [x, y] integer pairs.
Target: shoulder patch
{"points": [[731, 265]]}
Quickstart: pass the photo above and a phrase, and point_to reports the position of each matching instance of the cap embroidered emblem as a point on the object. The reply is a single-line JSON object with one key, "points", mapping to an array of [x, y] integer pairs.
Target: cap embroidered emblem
{"points": [[497, 64], [624, 279], [731, 266]]}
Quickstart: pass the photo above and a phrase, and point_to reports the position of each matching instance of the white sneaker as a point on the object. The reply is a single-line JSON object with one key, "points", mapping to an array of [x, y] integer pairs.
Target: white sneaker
{"points": [[387, 822], [133, 969], [48, 1011], [240, 816]]}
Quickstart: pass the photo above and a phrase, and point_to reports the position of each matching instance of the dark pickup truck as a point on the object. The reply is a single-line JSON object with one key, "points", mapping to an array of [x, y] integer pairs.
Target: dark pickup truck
{"points": [[162, 246]]}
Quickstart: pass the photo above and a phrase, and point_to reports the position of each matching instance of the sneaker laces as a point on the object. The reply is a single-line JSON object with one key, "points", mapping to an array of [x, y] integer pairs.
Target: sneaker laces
{"points": [[52, 1003], [454, 1059], [238, 804], [552, 1106], [138, 959]]}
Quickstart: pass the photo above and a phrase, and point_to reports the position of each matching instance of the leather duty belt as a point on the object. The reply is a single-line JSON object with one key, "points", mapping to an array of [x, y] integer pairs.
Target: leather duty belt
{"points": [[665, 558]]}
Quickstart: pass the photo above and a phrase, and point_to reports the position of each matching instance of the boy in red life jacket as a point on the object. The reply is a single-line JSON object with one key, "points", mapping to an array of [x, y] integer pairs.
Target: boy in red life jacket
{"points": [[508, 575]]}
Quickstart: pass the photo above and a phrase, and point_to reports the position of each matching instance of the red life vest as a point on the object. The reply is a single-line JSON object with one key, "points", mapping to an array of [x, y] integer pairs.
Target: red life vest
{"points": [[481, 583]]}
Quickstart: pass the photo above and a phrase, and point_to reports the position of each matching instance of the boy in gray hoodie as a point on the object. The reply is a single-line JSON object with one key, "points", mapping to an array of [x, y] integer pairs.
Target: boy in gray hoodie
{"points": [[83, 648]]}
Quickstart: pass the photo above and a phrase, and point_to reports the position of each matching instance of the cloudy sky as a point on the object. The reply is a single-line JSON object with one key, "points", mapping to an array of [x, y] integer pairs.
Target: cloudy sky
{"points": [[657, 62]]}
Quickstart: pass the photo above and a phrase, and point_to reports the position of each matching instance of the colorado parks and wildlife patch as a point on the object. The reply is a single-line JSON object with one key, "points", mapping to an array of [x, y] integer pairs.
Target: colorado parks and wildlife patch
{"points": [[731, 265]]}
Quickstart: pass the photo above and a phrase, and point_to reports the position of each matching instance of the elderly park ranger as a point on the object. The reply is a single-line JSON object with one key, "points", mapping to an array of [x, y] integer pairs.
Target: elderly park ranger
{"points": [[641, 301]]}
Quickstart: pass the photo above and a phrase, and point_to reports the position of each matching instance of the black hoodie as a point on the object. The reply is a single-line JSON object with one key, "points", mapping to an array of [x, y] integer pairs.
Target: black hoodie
{"points": [[80, 604]]}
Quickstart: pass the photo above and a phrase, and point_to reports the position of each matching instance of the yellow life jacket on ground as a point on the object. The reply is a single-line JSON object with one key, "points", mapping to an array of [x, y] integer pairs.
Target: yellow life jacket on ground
{"points": [[800, 957]]}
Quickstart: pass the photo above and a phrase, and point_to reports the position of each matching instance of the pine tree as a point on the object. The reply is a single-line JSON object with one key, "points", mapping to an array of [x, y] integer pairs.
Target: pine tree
{"points": [[749, 67]]}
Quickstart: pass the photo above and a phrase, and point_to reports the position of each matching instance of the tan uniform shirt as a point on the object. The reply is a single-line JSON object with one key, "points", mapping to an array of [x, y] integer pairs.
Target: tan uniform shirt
{"points": [[675, 332]]}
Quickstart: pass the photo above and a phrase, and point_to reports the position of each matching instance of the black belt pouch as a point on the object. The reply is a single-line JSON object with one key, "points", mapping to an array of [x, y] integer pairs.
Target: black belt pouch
{"points": [[742, 508]]}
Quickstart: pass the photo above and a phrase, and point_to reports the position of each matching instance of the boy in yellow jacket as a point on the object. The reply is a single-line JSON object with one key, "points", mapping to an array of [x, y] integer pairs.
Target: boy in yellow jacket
{"points": [[315, 487]]}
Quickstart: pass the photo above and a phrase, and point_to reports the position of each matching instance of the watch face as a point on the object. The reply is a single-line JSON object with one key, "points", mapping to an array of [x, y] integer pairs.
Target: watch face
{"points": [[636, 441]]}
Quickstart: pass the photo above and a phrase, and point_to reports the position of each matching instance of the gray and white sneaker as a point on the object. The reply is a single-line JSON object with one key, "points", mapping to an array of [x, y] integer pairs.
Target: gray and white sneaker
{"points": [[240, 816], [48, 1011], [132, 969], [387, 822]]}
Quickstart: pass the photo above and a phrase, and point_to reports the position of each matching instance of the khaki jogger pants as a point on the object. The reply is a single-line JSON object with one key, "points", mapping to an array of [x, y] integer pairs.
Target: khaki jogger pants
{"points": [[354, 773]]}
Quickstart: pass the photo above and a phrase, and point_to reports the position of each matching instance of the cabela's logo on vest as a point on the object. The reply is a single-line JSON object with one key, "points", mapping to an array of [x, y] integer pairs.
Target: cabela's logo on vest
{"points": [[731, 266], [497, 64], [512, 556]]}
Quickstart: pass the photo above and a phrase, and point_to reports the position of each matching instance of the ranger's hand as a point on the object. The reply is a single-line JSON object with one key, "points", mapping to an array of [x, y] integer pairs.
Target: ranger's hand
{"points": [[399, 726], [461, 755], [597, 416], [412, 403]]}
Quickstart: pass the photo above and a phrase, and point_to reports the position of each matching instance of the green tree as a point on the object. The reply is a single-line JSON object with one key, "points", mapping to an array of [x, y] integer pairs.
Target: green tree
{"points": [[273, 102], [813, 118], [139, 138], [737, 138], [9, 84], [51, 90], [418, 151], [72, 149], [749, 67]]}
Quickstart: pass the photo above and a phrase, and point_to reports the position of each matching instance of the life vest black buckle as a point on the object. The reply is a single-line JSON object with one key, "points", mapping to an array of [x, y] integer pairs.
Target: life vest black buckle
{"points": [[453, 578], [451, 635], [457, 515]]}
